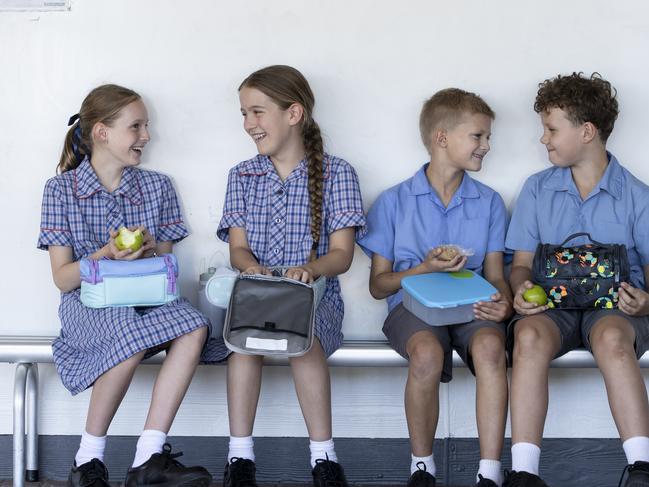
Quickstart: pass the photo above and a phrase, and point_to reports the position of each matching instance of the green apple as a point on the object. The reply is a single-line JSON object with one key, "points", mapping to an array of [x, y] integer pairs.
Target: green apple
{"points": [[129, 240], [536, 295]]}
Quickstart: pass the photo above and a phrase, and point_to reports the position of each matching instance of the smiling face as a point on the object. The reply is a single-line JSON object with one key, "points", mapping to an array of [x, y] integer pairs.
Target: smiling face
{"points": [[468, 142], [563, 139], [125, 138], [270, 127]]}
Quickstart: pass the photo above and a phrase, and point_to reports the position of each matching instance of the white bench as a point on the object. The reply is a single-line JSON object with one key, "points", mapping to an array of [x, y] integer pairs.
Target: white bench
{"points": [[27, 352]]}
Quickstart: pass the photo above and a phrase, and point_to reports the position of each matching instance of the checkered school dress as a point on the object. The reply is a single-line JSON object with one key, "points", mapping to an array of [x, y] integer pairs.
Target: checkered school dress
{"points": [[277, 218], [77, 212]]}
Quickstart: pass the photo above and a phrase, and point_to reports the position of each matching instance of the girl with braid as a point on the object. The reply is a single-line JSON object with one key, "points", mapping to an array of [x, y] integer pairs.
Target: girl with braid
{"points": [[291, 205]]}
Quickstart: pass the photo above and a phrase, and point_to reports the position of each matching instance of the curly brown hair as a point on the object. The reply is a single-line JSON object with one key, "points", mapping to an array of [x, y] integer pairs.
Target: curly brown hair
{"points": [[582, 99]]}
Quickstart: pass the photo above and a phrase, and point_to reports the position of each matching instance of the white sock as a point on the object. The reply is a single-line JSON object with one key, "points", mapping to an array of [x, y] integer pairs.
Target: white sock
{"points": [[490, 469], [428, 464], [322, 450], [90, 447], [241, 447], [150, 442], [636, 449], [525, 458]]}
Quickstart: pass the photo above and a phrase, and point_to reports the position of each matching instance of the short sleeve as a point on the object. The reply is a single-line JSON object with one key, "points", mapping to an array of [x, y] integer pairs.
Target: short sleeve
{"points": [[379, 238], [523, 232], [171, 226], [234, 208], [345, 202], [641, 229], [55, 228], [497, 225]]}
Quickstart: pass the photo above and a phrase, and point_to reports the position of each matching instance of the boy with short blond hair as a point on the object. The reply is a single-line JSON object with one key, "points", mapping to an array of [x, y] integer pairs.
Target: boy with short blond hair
{"points": [[409, 229], [586, 190]]}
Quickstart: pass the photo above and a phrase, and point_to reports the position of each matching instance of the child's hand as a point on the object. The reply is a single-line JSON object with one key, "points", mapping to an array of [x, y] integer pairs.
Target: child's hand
{"points": [[434, 263], [498, 309], [524, 308], [114, 253], [257, 269], [633, 301], [149, 244], [301, 273]]}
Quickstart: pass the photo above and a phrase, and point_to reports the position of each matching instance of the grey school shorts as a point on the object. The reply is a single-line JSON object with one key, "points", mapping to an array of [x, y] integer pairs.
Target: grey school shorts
{"points": [[401, 324], [575, 327]]}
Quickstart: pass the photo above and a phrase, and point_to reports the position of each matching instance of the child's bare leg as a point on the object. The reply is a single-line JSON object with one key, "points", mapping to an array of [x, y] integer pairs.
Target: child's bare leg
{"points": [[537, 341], [173, 379], [313, 388], [488, 354], [244, 385], [612, 340], [107, 394], [426, 362]]}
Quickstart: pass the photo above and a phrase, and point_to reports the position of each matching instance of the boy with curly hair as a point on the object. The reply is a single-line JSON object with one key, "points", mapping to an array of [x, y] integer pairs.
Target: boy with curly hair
{"points": [[592, 192]]}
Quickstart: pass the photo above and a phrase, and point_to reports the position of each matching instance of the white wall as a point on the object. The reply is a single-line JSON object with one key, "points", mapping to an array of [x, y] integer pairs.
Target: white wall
{"points": [[371, 64]]}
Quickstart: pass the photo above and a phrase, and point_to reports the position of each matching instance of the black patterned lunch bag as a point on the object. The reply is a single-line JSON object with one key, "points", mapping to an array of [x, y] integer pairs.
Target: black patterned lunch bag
{"points": [[581, 277]]}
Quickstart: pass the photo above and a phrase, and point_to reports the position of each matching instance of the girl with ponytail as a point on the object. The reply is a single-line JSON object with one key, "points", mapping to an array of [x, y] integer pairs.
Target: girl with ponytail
{"points": [[99, 189], [291, 205]]}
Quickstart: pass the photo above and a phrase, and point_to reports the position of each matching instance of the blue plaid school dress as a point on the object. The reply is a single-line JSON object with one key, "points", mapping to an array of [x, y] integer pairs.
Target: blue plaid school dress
{"points": [[277, 218], [78, 212]]}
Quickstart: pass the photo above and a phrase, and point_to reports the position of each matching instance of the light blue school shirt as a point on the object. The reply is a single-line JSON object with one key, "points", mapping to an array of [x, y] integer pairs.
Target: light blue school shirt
{"points": [[409, 219], [549, 209]]}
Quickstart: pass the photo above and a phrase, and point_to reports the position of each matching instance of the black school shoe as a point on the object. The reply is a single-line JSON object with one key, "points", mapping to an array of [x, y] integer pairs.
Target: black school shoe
{"points": [[485, 482], [89, 474], [522, 479], [328, 474], [240, 472], [163, 470], [421, 478], [638, 475]]}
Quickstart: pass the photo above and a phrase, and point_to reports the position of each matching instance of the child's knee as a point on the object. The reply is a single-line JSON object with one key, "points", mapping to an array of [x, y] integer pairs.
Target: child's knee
{"points": [[612, 340], [426, 359], [530, 341], [488, 351]]}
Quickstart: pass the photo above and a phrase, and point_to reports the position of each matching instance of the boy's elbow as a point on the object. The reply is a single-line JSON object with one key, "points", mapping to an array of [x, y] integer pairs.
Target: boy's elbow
{"points": [[376, 292]]}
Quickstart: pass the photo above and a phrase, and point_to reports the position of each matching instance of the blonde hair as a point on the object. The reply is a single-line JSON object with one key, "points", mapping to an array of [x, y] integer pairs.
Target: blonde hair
{"points": [[285, 85], [445, 109], [102, 104]]}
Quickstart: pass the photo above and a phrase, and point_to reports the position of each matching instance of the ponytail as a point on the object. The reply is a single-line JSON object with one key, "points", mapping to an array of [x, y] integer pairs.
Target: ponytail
{"points": [[74, 148]]}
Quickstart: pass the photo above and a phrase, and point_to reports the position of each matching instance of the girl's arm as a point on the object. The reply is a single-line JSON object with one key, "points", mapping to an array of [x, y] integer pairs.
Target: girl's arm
{"points": [[500, 306], [241, 257], [384, 282], [335, 262], [65, 270]]}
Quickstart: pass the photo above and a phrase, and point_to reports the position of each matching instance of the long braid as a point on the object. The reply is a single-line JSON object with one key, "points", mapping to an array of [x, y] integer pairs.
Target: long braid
{"points": [[314, 152]]}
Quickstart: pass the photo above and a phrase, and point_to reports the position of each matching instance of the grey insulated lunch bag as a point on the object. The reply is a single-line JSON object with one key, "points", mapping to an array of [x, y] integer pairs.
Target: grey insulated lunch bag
{"points": [[272, 315]]}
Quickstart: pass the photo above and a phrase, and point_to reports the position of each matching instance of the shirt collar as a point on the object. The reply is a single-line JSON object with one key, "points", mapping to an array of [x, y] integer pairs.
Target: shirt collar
{"points": [[87, 184], [420, 185], [261, 165], [611, 181]]}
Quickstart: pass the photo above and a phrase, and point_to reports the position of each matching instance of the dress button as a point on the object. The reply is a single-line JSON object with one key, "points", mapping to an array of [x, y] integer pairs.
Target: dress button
{"points": [[279, 192], [276, 250], [278, 220]]}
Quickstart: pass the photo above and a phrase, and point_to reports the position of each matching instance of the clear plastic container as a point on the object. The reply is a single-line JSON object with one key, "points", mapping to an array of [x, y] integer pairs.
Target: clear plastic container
{"points": [[445, 298]]}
